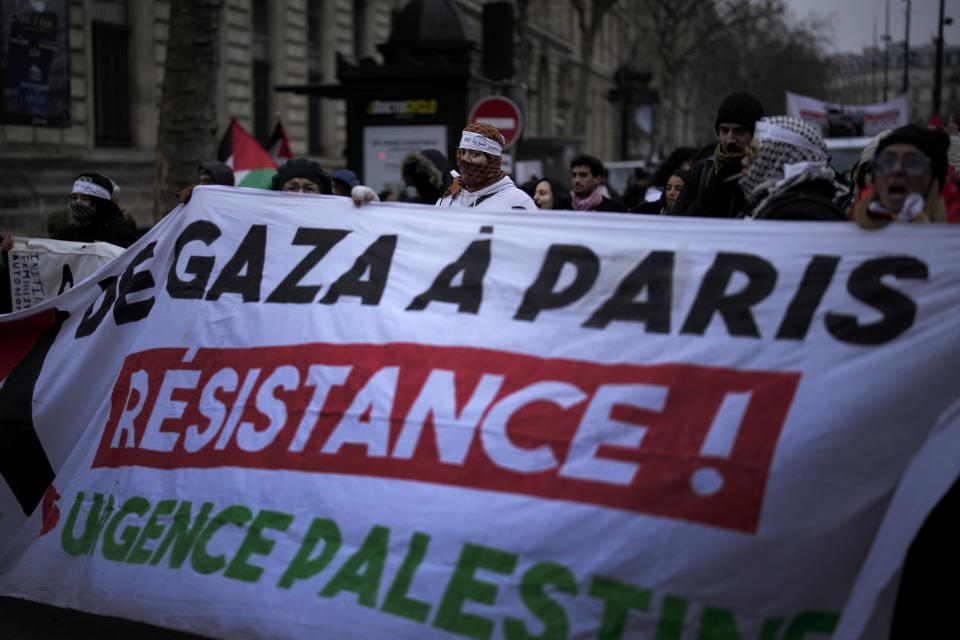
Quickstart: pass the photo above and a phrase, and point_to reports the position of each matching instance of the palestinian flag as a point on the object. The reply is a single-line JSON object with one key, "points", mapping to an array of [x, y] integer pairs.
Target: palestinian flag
{"points": [[252, 165], [279, 147]]}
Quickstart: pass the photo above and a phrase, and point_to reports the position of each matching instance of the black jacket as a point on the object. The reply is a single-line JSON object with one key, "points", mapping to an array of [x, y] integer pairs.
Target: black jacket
{"points": [[114, 229], [806, 201], [705, 194]]}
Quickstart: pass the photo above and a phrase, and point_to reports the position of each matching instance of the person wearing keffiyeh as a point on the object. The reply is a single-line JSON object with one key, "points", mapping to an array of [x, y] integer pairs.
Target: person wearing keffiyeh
{"points": [[481, 183], [786, 175]]}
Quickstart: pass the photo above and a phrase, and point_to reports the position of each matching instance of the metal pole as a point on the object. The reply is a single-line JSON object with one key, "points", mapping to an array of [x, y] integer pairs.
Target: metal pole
{"points": [[886, 52], [938, 64], [906, 52]]}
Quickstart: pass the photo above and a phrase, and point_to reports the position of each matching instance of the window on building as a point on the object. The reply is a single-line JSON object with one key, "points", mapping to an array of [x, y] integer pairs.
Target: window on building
{"points": [[315, 74], [262, 122], [111, 73]]}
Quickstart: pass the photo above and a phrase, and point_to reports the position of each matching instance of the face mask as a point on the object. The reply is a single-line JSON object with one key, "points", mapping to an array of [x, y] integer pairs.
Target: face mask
{"points": [[82, 213]]}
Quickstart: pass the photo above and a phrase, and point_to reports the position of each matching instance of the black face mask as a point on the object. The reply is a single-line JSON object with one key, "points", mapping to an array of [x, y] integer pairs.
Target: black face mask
{"points": [[83, 214]]}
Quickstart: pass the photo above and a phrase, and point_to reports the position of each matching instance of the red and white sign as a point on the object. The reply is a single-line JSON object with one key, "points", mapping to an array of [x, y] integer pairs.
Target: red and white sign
{"points": [[501, 113]]}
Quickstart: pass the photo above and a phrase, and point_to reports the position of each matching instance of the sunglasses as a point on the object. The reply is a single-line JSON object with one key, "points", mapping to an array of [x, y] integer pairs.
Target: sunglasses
{"points": [[913, 164]]}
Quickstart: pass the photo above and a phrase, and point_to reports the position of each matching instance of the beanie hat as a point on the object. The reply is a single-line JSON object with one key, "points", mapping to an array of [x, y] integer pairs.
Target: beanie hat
{"points": [[932, 142], [99, 188], [302, 168], [871, 149], [741, 107], [346, 176], [219, 171]]}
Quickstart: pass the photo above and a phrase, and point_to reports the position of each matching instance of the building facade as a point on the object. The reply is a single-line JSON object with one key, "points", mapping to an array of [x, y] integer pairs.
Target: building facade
{"points": [[116, 54]]}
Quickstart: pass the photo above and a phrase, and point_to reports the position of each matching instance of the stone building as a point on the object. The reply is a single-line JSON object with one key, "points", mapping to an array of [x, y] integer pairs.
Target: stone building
{"points": [[116, 52]]}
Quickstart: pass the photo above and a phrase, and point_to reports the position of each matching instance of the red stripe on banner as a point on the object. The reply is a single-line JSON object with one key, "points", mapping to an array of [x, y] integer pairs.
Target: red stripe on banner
{"points": [[893, 114], [816, 115], [674, 440]]}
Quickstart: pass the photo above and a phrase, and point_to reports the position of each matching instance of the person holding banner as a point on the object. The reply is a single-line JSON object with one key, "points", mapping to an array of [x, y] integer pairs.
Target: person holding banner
{"points": [[910, 181], [303, 175], [96, 217]]}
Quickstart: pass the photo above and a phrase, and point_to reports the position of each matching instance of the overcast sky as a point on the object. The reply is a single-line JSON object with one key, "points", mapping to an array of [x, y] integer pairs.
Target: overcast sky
{"points": [[855, 21]]}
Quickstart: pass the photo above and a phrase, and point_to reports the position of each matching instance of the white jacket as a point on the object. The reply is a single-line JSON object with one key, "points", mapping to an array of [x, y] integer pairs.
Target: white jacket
{"points": [[503, 194]]}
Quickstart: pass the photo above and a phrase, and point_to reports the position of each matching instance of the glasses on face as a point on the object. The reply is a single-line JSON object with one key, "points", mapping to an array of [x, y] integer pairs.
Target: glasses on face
{"points": [[913, 164], [303, 186]]}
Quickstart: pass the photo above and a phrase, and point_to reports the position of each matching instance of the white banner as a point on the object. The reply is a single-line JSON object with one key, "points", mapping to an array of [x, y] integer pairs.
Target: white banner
{"points": [[41, 269], [275, 414], [876, 117]]}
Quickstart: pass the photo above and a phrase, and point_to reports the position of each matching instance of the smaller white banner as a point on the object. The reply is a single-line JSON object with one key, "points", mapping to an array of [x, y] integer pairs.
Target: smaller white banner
{"points": [[41, 269], [876, 117]]}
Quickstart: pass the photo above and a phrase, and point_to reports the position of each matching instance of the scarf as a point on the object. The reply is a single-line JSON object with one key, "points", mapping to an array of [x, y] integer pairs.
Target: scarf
{"points": [[473, 178], [789, 152], [589, 203], [83, 214]]}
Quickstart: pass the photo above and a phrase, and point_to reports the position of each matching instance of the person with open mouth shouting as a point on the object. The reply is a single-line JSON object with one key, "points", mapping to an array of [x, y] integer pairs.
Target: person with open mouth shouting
{"points": [[910, 181]]}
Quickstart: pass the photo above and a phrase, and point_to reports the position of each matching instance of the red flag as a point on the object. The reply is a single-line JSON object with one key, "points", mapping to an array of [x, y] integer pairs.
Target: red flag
{"points": [[935, 122]]}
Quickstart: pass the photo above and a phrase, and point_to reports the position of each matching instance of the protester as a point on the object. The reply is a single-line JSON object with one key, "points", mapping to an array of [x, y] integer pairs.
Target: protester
{"points": [[710, 190], [428, 172], [668, 197], [303, 175], [215, 172], [910, 181], [786, 175], [482, 183], [680, 158], [550, 194], [586, 176], [95, 217], [342, 181]]}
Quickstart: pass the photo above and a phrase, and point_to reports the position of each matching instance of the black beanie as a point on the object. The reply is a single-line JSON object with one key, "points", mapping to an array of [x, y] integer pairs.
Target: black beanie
{"points": [[741, 107], [932, 142], [302, 168]]}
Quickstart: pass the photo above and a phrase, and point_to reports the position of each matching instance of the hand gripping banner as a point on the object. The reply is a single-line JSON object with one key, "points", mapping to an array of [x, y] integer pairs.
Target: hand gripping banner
{"points": [[278, 416]]}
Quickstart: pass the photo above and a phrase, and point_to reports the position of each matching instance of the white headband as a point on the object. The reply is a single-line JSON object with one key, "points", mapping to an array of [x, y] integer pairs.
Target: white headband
{"points": [[90, 189], [477, 142], [768, 131]]}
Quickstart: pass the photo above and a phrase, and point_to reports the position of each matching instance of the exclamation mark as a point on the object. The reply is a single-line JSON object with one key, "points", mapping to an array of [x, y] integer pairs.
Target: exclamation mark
{"points": [[706, 480]]}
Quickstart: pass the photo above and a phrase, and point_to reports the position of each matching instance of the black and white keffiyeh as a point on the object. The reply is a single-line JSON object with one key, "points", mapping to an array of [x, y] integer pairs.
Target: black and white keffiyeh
{"points": [[788, 152]]}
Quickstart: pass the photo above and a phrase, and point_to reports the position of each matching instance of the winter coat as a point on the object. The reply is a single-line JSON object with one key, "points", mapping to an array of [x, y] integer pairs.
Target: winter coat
{"points": [[811, 200], [503, 194], [705, 194]]}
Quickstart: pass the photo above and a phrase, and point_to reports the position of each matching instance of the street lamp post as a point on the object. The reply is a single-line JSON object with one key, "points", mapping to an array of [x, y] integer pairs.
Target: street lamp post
{"points": [[938, 62], [906, 51]]}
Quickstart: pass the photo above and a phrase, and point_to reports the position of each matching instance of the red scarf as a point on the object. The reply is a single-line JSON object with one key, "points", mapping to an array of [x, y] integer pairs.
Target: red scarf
{"points": [[589, 203]]}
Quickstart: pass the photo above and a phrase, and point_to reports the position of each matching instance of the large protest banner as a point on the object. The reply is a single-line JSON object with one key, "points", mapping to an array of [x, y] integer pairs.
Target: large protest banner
{"points": [[278, 416]]}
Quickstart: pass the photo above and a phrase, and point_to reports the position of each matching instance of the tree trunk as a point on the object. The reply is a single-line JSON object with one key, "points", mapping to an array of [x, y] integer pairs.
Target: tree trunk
{"points": [[188, 106]]}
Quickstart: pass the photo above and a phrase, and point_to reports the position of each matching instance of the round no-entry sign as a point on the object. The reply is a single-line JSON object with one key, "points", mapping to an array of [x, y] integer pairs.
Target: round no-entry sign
{"points": [[502, 113]]}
